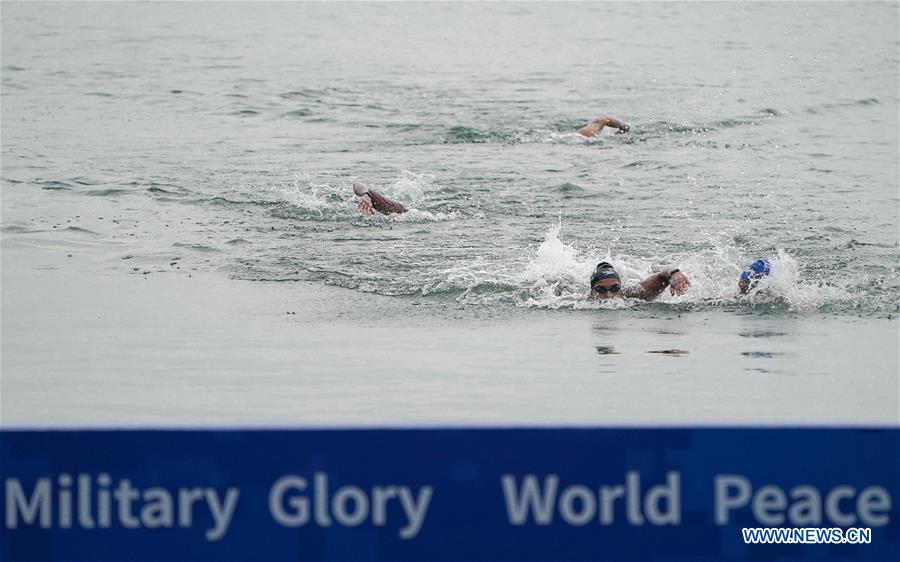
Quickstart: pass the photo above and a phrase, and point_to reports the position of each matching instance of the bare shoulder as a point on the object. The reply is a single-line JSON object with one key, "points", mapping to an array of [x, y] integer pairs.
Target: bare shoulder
{"points": [[589, 130]]}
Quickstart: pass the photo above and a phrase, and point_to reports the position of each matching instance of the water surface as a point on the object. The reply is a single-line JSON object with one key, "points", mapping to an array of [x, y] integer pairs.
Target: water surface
{"points": [[192, 138]]}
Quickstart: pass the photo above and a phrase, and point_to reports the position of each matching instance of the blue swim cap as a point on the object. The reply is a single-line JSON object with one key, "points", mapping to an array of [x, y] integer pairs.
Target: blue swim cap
{"points": [[756, 271]]}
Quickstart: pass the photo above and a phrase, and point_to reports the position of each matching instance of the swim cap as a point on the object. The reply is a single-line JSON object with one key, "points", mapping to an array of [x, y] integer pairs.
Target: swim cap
{"points": [[604, 270], [756, 271]]}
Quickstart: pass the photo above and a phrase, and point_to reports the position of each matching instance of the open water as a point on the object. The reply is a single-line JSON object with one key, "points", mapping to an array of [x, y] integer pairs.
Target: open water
{"points": [[200, 137]]}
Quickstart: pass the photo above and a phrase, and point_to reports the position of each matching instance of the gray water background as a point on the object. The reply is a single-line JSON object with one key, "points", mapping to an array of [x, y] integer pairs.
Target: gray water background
{"points": [[201, 137], [228, 135]]}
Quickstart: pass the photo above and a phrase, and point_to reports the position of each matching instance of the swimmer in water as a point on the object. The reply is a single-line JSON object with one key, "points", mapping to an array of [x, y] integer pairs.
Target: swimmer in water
{"points": [[606, 284], [752, 275], [371, 201], [593, 128]]}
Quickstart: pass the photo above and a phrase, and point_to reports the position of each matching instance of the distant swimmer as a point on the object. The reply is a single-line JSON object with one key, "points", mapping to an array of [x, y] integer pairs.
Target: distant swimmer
{"points": [[594, 127], [606, 284], [371, 201], [752, 275]]}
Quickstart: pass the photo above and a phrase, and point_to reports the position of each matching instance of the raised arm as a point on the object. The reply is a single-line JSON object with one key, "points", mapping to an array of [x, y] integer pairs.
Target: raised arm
{"points": [[370, 201], [651, 287], [594, 127]]}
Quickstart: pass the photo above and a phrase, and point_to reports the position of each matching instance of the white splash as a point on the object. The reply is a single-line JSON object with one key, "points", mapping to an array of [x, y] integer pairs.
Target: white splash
{"points": [[558, 276], [409, 188]]}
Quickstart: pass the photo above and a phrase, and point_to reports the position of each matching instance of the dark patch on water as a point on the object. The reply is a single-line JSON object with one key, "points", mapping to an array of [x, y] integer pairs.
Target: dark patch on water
{"points": [[80, 230], [299, 113], [159, 190], [17, 229], [649, 164], [403, 127], [459, 135], [762, 334], [196, 247], [84, 181], [246, 113], [53, 185], [110, 192], [305, 93], [606, 350], [760, 354], [568, 188], [672, 352], [853, 243], [225, 202]]}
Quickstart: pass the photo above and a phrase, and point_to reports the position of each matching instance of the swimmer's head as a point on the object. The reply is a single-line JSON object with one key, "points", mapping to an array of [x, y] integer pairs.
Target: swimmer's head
{"points": [[605, 282], [751, 276]]}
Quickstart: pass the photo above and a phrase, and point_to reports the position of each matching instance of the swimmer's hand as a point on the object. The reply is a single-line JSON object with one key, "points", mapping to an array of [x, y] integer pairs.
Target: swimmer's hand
{"points": [[365, 198], [365, 205], [679, 283]]}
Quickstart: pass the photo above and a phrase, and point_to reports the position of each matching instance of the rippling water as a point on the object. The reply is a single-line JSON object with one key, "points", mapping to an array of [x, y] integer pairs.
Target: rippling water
{"points": [[226, 137]]}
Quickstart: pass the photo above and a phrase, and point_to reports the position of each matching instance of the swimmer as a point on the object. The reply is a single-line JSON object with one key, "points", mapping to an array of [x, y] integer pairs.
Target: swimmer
{"points": [[371, 201], [606, 284], [752, 275], [593, 128]]}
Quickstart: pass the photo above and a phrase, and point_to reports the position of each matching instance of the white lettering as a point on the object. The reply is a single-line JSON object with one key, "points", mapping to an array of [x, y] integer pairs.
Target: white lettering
{"points": [[37, 505], [726, 501], [871, 499], [221, 513], [671, 492], [833, 506], [339, 506], [415, 510], [300, 506], [157, 511], [567, 505], [766, 499], [531, 497]]}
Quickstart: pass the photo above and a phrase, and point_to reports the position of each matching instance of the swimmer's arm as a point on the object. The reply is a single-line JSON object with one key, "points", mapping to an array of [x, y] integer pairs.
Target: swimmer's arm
{"points": [[386, 206], [597, 125], [370, 199], [651, 287]]}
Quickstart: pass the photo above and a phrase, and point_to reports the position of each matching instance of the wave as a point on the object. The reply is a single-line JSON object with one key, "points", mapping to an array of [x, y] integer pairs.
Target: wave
{"points": [[565, 132], [304, 199], [556, 277]]}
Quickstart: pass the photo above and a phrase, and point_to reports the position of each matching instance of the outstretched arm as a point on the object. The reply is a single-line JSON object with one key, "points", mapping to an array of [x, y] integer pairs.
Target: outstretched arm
{"points": [[594, 127], [651, 287], [370, 201]]}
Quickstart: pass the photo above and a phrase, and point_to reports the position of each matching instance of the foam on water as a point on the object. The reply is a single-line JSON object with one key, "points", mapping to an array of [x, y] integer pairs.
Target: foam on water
{"points": [[558, 273], [719, 169], [337, 200]]}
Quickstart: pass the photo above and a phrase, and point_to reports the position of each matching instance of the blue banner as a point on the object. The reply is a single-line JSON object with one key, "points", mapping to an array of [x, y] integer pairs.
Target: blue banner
{"points": [[446, 494]]}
